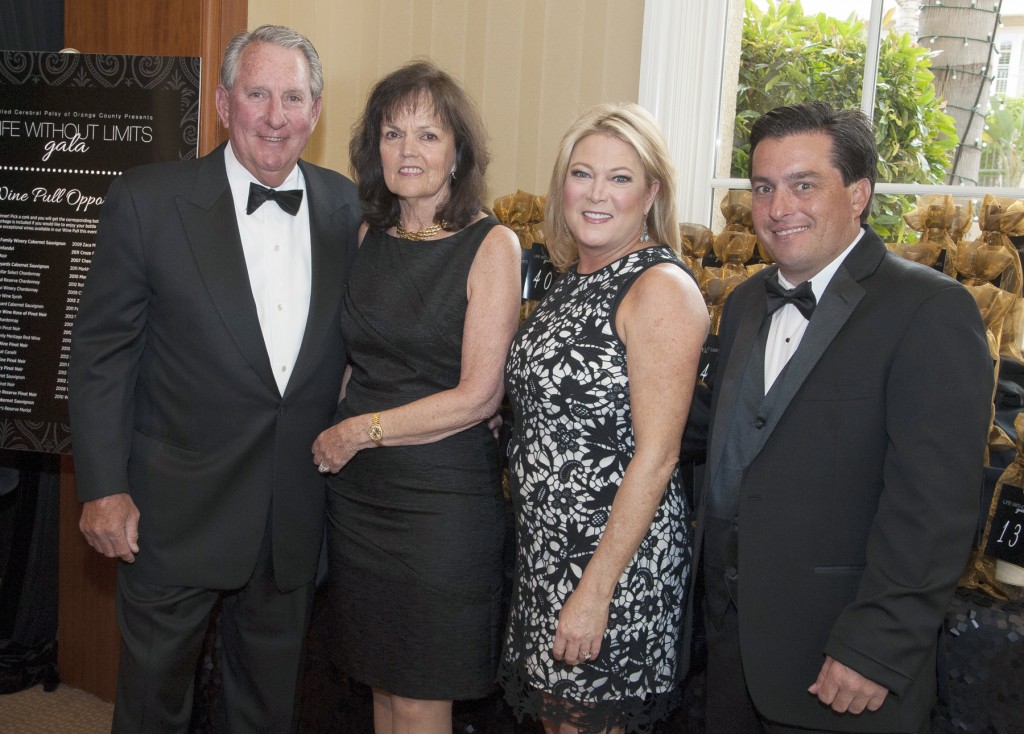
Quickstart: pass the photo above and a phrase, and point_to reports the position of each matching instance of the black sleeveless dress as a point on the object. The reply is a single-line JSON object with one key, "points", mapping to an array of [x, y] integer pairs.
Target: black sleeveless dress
{"points": [[415, 533]]}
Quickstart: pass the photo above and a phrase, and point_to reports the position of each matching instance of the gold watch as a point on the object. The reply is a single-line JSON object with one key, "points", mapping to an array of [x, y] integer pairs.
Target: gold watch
{"points": [[376, 432]]}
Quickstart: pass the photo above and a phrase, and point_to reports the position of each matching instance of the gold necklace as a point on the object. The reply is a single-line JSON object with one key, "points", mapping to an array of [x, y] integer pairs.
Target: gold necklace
{"points": [[419, 235]]}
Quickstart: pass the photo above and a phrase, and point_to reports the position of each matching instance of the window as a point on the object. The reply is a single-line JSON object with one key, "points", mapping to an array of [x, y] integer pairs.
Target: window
{"points": [[692, 68], [1003, 67]]}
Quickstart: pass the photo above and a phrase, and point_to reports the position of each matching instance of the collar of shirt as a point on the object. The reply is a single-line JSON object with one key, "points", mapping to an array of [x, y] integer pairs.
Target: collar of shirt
{"points": [[823, 277], [239, 179], [788, 324]]}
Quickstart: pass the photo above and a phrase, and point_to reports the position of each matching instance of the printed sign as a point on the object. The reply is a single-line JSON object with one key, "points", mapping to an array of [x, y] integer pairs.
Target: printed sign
{"points": [[69, 124]]}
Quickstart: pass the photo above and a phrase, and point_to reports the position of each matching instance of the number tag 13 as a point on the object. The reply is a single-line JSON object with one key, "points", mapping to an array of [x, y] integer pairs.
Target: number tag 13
{"points": [[1006, 536]]}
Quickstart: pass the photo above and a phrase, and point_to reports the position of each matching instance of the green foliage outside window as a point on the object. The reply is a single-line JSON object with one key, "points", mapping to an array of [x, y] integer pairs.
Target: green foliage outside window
{"points": [[789, 57], [1004, 142]]}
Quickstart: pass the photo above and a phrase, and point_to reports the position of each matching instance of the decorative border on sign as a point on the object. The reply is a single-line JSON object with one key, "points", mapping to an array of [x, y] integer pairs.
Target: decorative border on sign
{"points": [[111, 71]]}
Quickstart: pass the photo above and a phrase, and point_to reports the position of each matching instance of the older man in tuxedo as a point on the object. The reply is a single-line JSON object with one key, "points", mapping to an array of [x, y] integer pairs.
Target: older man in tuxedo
{"points": [[849, 416], [206, 358]]}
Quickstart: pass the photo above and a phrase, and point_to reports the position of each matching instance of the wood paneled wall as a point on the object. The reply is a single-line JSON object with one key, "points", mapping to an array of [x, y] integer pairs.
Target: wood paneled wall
{"points": [[531, 66], [165, 28], [88, 641]]}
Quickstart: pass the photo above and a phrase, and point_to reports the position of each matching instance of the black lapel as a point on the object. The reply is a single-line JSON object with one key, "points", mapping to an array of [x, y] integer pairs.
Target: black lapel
{"points": [[329, 260], [208, 217]]}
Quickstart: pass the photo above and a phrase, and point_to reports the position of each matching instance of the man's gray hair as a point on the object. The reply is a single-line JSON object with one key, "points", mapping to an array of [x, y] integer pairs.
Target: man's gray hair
{"points": [[278, 35]]}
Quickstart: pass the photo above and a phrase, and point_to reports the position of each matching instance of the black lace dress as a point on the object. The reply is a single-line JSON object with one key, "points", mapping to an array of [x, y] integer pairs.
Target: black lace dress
{"points": [[573, 438]]}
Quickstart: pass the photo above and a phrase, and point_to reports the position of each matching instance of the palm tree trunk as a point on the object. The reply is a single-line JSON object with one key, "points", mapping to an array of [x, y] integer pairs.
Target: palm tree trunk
{"points": [[908, 17], [964, 32]]}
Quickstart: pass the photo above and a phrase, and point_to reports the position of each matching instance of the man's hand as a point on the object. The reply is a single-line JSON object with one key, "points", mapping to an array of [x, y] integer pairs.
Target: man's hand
{"points": [[846, 690], [111, 526]]}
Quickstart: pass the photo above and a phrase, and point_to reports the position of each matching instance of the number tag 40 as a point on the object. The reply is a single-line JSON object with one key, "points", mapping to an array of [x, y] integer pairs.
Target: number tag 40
{"points": [[538, 272]]}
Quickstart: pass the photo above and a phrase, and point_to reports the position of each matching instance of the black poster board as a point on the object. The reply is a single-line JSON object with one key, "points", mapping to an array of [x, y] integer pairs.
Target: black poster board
{"points": [[69, 124]]}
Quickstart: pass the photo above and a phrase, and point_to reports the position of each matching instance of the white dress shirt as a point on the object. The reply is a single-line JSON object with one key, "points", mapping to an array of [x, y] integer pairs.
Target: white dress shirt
{"points": [[788, 324], [276, 246]]}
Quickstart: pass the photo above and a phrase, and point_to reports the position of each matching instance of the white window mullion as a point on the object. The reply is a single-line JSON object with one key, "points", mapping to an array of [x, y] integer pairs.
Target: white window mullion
{"points": [[874, 45]]}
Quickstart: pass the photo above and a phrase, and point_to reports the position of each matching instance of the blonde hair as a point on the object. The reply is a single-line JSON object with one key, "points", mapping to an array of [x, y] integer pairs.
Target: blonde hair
{"points": [[634, 126]]}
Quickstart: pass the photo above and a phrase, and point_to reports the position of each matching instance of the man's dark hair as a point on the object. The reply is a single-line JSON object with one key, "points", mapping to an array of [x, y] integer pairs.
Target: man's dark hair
{"points": [[853, 141]]}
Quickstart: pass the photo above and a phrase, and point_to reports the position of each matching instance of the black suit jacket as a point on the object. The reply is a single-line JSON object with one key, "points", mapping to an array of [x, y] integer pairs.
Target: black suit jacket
{"points": [[172, 395], [858, 508]]}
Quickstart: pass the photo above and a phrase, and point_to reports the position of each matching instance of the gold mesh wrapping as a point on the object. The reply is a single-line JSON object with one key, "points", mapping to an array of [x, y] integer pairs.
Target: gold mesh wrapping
{"points": [[523, 213]]}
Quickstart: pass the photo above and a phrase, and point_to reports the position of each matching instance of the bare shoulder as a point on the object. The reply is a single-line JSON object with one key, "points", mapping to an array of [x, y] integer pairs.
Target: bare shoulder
{"points": [[499, 248], [663, 299], [501, 238], [665, 282]]}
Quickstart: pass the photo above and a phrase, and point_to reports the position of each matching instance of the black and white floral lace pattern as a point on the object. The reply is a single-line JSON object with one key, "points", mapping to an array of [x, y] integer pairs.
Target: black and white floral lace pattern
{"points": [[572, 442]]}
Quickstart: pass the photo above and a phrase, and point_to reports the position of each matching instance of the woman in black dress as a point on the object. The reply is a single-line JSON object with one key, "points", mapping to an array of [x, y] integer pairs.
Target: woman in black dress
{"points": [[415, 515]]}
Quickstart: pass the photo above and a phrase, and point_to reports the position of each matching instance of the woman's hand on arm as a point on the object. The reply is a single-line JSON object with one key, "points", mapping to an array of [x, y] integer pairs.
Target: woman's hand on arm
{"points": [[663, 322]]}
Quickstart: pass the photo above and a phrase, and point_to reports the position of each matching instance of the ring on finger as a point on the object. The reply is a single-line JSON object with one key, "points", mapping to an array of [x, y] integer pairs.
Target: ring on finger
{"points": [[323, 468]]}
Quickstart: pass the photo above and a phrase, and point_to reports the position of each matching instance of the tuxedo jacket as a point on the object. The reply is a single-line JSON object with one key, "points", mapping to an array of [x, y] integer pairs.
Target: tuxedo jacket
{"points": [[172, 394], [858, 506]]}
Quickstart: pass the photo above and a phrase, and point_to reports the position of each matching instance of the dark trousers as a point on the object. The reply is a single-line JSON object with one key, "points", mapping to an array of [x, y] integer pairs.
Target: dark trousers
{"points": [[729, 709], [261, 633]]}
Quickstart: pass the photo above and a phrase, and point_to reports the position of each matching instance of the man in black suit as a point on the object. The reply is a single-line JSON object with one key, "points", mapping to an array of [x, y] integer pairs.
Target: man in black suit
{"points": [[206, 358], [848, 425]]}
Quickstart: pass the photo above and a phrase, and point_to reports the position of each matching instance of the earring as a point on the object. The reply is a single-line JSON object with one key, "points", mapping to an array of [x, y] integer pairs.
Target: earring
{"points": [[453, 174], [645, 236]]}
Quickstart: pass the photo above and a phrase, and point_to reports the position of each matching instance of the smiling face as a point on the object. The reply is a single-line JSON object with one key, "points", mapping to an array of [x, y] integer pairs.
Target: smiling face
{"points": [[803, 213], [605, 198], [418, 156], [269, 112]]}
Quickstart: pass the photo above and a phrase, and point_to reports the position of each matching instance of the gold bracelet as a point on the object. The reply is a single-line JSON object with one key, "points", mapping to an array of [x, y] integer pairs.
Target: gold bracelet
{"points": [[376, 432]]}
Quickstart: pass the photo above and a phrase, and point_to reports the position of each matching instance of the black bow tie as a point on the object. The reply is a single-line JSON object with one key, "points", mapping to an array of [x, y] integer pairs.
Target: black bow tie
{"points": [[802, 297], [287, 200]]}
